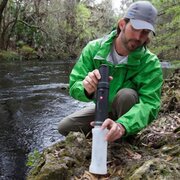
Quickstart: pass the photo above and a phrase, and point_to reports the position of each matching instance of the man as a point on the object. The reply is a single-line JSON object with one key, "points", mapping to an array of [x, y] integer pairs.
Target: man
{"points": [[135, 76]]}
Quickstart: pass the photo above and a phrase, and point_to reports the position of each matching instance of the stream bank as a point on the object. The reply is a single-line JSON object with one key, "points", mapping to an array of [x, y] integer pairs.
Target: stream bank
{"points": [[154, 153]]}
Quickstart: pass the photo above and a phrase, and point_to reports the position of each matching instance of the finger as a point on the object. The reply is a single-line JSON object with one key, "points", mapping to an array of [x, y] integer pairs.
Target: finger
{"points": [[107, 124], [97, 74], [91, 82], [113, 137], [92, 123], [110, 78], [114, 133], [94, 76], [88, 87]]}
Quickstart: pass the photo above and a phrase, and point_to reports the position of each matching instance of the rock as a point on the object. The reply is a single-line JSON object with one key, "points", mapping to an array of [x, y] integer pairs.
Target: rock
{"points": [[155, 169], [62, 160], [70, 159]]}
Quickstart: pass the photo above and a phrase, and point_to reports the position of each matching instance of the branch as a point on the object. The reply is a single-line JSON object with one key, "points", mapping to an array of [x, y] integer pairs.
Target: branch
{"points": [[2, 6], [32, 26]]}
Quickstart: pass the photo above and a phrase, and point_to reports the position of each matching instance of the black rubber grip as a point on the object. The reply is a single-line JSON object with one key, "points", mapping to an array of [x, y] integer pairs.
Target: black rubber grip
{"points": [[101, 111]]}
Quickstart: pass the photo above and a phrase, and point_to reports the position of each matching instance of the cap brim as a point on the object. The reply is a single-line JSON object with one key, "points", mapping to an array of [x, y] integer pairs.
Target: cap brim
{"points": [[139, 24]]}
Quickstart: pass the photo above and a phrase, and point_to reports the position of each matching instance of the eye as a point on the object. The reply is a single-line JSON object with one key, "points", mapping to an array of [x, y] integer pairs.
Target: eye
{"points": [[146, 31]]}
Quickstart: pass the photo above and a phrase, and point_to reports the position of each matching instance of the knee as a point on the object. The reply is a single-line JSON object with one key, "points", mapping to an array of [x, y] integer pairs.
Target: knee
{"points": [[127, 95], [62, 127], [123, 101]]}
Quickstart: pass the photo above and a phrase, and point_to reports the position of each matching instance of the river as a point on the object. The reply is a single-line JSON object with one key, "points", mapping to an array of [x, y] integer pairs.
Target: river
{"points": [[32, 102]]}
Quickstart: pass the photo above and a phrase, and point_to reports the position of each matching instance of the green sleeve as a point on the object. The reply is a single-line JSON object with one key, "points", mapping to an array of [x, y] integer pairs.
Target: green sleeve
{"points": [[148, 82], [84, 65]]}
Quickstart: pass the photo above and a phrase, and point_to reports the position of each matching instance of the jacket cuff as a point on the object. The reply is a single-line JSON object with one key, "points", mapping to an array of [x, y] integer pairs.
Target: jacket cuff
{"points": [[127, 129], [90, 97]]}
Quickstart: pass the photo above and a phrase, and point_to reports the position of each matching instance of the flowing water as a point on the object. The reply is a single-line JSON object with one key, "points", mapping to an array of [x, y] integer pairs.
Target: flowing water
{"points": [[32, 102]]}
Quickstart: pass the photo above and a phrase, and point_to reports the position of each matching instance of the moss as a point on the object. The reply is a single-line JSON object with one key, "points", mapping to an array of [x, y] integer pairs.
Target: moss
{"points": [[155, 169], [23, 53], [27, 49], [176, 64], [27, 52], [9, 55]]}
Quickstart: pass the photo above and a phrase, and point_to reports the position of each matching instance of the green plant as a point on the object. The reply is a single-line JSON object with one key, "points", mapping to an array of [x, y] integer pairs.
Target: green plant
{"points": [[8, 55], [33, 158]]}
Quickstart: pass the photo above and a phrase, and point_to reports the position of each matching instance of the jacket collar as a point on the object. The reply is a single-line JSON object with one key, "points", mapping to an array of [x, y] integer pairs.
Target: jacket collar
{"points": [[106, 45]]}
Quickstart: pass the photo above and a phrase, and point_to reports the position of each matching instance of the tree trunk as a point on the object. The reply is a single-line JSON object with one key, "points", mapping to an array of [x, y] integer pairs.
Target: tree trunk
{"points": [[2, 7]]}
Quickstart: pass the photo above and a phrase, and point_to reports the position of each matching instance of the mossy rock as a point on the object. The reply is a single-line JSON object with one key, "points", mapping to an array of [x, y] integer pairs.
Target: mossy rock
{"points": [[62, 160], [156, 169], [70, 159]]}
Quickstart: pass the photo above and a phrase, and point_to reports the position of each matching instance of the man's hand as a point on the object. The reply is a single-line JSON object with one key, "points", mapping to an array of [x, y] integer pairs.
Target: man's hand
{"points": [[116, 130], [91, 80]]}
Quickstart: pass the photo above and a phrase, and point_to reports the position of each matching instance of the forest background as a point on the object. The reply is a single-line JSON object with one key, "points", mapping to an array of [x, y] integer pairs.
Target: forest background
{"points": [[59, 29]]}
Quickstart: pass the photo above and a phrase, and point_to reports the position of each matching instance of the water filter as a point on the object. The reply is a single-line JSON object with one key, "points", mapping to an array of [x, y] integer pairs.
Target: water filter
{"points": [[99, 152], [99, 144]]}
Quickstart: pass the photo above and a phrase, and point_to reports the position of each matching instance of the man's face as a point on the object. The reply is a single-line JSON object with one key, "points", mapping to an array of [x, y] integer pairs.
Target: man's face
{"points": [[133, 38]]}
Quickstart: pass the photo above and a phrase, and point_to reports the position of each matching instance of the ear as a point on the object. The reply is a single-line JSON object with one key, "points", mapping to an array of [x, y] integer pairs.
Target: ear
{"points": [[121, 24]]}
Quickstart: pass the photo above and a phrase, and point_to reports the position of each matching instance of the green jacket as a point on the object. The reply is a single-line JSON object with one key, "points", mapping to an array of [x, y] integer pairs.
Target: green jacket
{"points": [[142, 72]]}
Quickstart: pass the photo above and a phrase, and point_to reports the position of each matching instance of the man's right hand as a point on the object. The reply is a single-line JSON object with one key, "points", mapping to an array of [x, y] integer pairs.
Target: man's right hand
{"points": [[90, 82]]}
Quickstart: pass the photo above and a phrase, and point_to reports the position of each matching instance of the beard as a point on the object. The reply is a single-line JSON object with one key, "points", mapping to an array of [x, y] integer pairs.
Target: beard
{"points": [[130, 44]]}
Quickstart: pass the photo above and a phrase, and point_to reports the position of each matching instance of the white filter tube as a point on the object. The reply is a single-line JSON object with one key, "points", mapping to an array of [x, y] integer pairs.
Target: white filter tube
{"points": [[99, 152]]}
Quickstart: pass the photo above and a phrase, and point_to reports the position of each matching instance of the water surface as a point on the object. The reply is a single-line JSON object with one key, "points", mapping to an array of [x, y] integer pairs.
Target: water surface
{"points": [[32, 102]]}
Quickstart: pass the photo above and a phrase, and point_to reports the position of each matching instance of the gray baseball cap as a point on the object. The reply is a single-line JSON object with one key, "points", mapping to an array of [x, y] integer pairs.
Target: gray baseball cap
{"points": [[142, 15]]}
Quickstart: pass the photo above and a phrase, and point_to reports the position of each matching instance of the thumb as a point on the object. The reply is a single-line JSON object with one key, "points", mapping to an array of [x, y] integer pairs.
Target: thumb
{"points": [[92, 123]]}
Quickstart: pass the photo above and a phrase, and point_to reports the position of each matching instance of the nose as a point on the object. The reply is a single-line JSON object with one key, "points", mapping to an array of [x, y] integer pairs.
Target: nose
{"points": [[137, 35]]}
